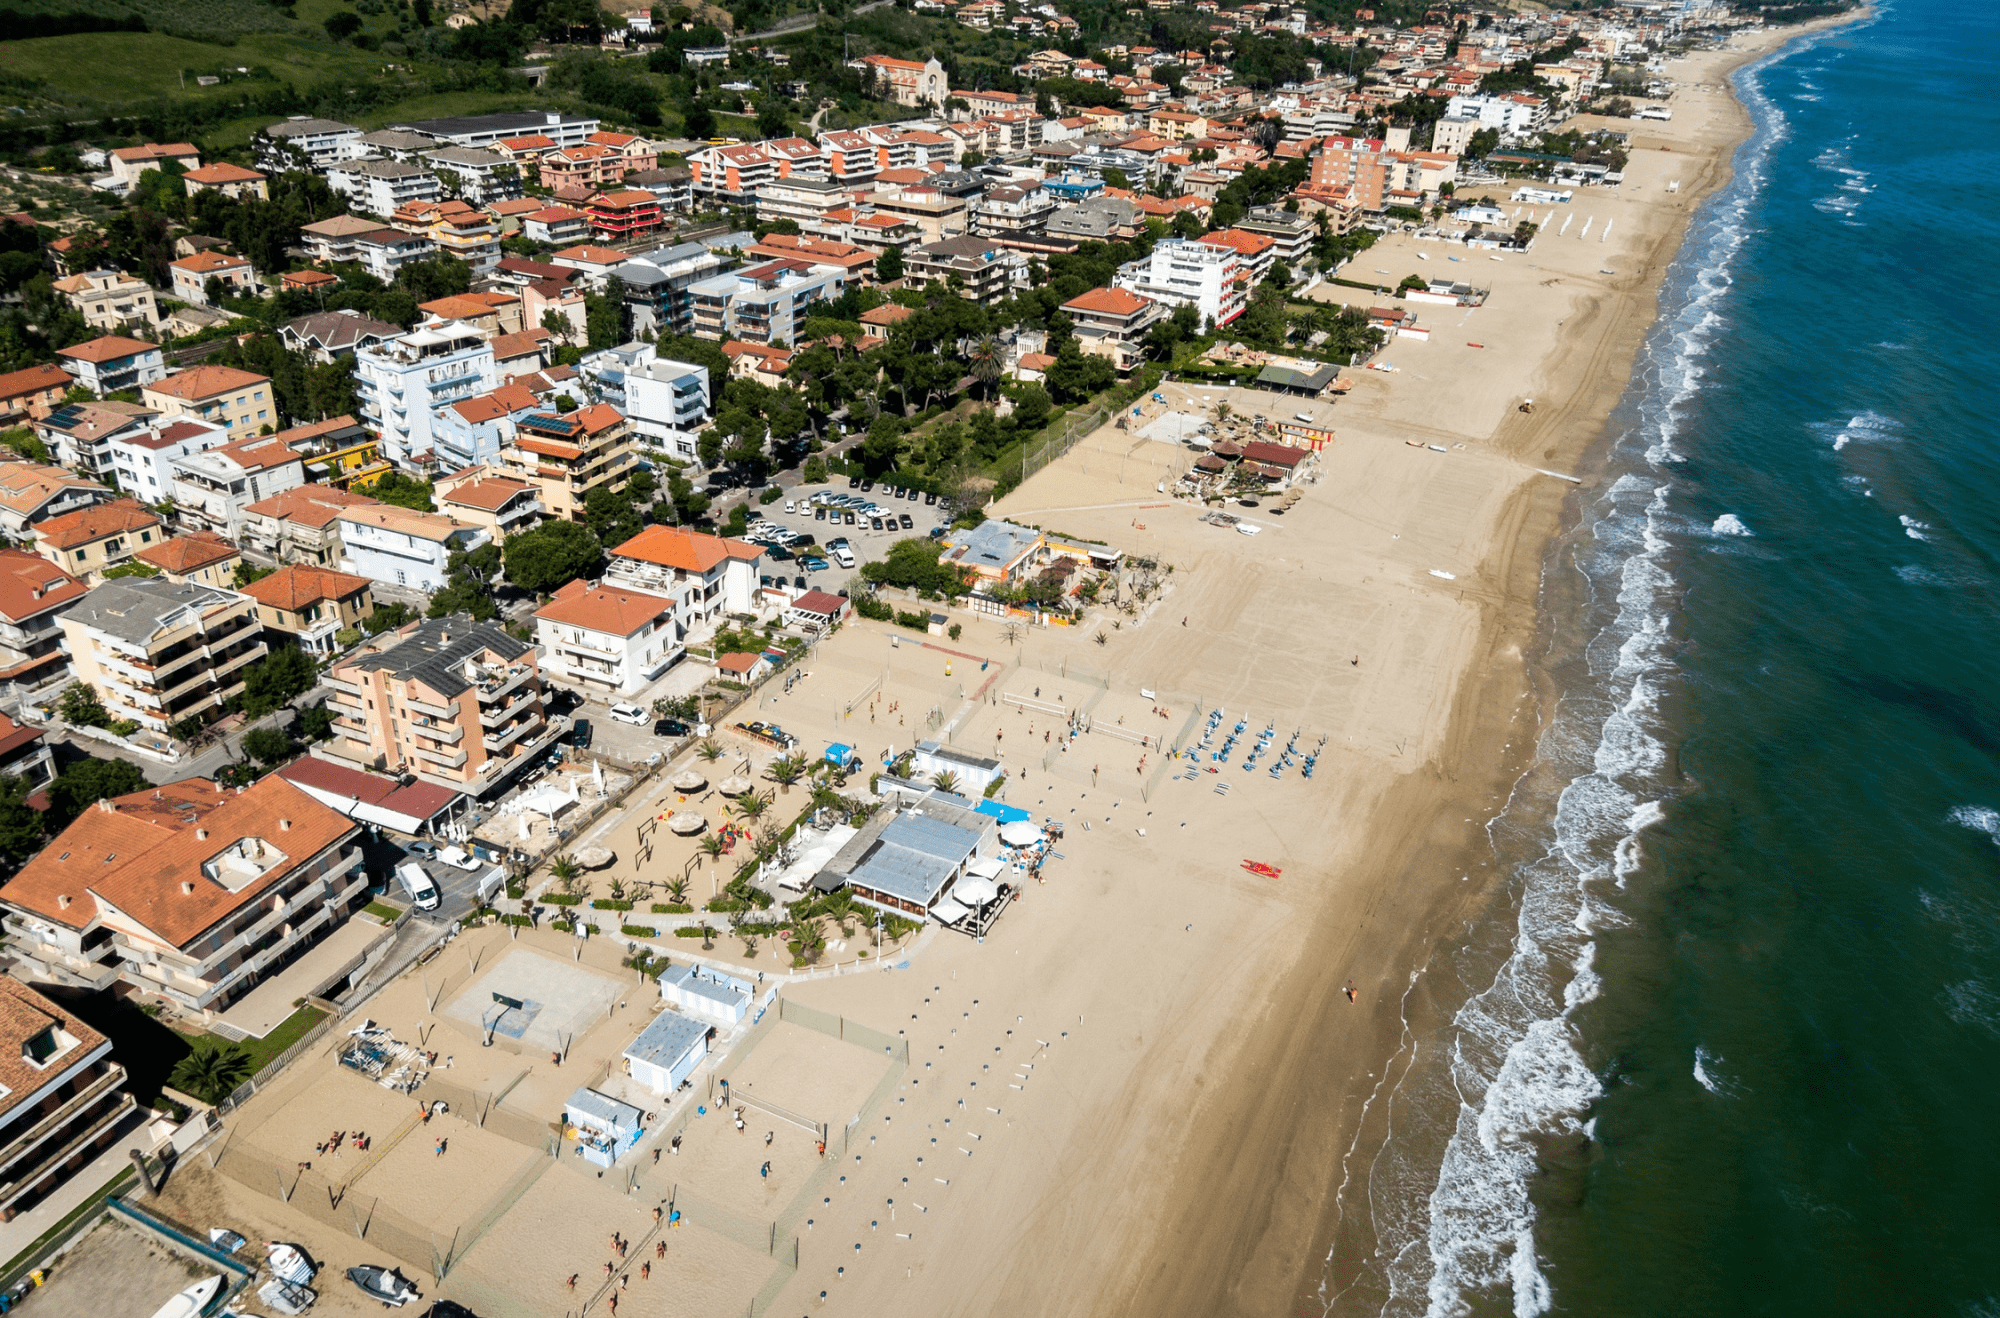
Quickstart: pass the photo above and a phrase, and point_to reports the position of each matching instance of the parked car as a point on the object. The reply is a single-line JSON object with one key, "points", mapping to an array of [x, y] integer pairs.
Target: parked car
{"points": [[848, 517], [874, 523], [422, 848], [815, 564], [819, 513], [629, 714], [937, 533], [930, 498], [791, 506], [670, 727], [580, 734], [458, 859], [906, 521], [853, 482], [844, 556], [838, 542], [779, 552]]}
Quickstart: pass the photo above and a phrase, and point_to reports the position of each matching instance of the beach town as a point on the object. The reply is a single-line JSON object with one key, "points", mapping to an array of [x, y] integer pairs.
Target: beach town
{"points": [[940, 917]]}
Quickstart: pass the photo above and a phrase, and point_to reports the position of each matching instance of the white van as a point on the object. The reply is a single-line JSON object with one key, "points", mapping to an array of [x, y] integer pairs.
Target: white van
{"points": [[630, 714], [844, 556], [420, 886]]}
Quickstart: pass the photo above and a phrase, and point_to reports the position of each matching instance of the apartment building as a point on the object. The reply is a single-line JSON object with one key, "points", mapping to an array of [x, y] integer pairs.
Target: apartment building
{"points": [[62, 1096], [88, 542], [162, 652], [607, 638], [455, 228], [567, 455], [312, 605], [501, 504], [732, 175], [214, 486], [200, 558], [557, 225], [142, 460], [1112, 323], [1254, 252], [980, 269], [1290, 232], [128, 162], [658, 283], [457, 703], [232, 181], [238, 401], [332, 241], [478, 176], [937, 214], [805, 200], [1210, 279], [1014, 213], [628, 213], [191, 274], [32, 393], [763, 303], [302, 140], [380, 187], [856, 264], [79, 434], [666, 401], [31, 493], [704, 575], [404, 381], [1514, 114], [33, 595], [110, 299], [386, 543], [112, 363], [384, 251], [191, 891], [302, 525], [474, 430]]}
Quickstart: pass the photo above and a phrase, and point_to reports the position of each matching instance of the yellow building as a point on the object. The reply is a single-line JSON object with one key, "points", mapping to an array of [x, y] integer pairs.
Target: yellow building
{"points": [[311, 604], [203, 557], [86, 542], [568, 456], [238, 400]]}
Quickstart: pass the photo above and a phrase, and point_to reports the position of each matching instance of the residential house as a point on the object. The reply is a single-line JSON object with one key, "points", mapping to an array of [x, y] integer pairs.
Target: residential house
{"points": [[457, 703], [90, 540], [239, 401], [757, 361], [191, 274], [856, 264], [33, 594], [338, 451], [214, 486], [110, 299], [705, 575], [196, 891], [63, 1099], [232, 181], [302, 525], [567, 455], [33, 393], [558, 226], [1113, 323], [24, 752], [379, 187], [593, 263], [305, 141], [142, 459], [521, 354], [327, 336], [200, 558], [312, 605], [501, 504], [404, 381], [606, 637], [332, 241], [31, 493], [161, 652], [384, 251], [387, 543], [128, 162], [474, 430]]}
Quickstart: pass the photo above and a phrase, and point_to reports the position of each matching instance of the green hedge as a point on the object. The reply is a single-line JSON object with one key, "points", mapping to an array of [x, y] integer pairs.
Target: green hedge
{"points": [[726, 904], [870, 607], [672, 908], [519, 921], [560, 899], [610, 904], [640, 931], [687, 931]]}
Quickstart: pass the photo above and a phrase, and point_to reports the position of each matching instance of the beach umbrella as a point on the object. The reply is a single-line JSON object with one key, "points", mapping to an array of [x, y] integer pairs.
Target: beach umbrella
{"points": [[734, 785], [594, 858], [686, 823], [975, 892], [1020, 833], [689, 780]]}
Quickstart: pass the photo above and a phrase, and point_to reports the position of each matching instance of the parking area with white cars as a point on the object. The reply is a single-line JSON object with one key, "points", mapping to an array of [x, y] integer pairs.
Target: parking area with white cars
{"points": [[804, 531]]}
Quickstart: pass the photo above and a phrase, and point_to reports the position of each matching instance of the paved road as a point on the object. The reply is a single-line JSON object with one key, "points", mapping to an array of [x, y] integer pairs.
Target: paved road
{"points": [[799, 23]]}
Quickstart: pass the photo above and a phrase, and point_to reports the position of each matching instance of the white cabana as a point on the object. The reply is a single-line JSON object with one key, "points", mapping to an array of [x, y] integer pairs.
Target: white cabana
{"points": [[1020, 833], [974, 892], [990, 867], [947, 911]]}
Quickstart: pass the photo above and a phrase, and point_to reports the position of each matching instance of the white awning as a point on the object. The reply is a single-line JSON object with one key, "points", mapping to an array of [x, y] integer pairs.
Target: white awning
{"points": [[948, 911], [975, 891], [1020, 833], [990, 868]]}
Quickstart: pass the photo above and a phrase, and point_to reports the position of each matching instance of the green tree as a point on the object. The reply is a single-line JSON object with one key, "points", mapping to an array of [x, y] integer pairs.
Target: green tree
{"points": [[285, 674], [314, 723], [889, 265], [342, 25], [211, 1074], [88, 781], [267, 745], [403, 491], [540, 560], [79, 706], [21, 825]]}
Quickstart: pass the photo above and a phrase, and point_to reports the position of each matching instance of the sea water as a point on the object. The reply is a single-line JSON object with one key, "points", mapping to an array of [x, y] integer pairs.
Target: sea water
{"points": [[1733, 1043]]}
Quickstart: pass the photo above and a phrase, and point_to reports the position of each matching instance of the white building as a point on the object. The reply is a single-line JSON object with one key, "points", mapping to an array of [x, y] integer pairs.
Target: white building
{"points": [[112, 363], [386, 543], [706, 994], [1515, 114], [214, 485], [379, 187], [763, 304], [705, 575], [1453, 134], [483, 177], [143, 460], [667, 401], [404, 381], [322, 142], [667, 1050], [608, 638], [1211, 279]]}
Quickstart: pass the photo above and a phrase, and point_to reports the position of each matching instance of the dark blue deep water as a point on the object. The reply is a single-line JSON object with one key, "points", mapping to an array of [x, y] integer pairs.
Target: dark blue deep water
{"points": [[1735, 1045]]}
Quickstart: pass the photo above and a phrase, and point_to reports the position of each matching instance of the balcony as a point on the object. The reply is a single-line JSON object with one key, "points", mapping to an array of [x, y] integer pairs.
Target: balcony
{"points": [[426, 707], [493, 688], [496, 742], [348, 688], [351, 708], [450, 760], [13, 1190], [450, 732], [24, 1143], [498, 714]]}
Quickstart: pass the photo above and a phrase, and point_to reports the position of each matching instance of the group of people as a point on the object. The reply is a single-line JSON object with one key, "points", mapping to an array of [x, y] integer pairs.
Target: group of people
{"points": [[619, 1245]]}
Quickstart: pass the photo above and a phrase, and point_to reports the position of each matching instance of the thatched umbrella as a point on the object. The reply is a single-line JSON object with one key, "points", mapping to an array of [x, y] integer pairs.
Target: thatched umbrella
{"points": [[1208, 462], [1224, 448], [735, 785], [689, 780], [594, 858], [686, 823]]}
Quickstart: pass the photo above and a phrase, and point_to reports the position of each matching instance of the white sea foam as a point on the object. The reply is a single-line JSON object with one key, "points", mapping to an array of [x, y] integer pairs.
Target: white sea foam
{"points": [[1912, 575], [1984, 819], [1702, 1061], [1971, 1002], [1730, 524], [1867, 428], [1914, 528]]}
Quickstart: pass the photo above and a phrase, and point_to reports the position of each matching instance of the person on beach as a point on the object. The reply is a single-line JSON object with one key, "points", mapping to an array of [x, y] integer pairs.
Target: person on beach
{"points": [[1349, 990], [677, 1146], [769, 1135], [658, 1213], [660, 1247], [645, 1272], [765, 1171], [440, 1148], [571, 1283]]}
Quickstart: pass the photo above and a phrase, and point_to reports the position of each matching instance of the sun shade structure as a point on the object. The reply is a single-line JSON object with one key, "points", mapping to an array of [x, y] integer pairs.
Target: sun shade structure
{"points": [[594, 858], [686, 823], [687, 780], [734, 785], [1020, 834]]}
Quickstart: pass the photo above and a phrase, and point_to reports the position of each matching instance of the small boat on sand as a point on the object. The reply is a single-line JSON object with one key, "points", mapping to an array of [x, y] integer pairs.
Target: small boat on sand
{"points": [[387, 1285], [190, 1302]]}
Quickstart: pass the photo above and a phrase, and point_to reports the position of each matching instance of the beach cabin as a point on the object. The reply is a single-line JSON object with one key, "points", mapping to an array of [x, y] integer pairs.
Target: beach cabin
{"points": [[972, 772], [843, 757], [667, 1051], [706, 995], [602, 1126]]}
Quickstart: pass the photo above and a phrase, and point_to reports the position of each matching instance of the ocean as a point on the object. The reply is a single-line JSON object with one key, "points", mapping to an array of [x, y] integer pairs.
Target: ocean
{"points": [[1733, 1043]]}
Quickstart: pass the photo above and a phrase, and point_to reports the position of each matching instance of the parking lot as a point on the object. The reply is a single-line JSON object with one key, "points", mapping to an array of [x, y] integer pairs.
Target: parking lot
{"points": [[866, 542]]}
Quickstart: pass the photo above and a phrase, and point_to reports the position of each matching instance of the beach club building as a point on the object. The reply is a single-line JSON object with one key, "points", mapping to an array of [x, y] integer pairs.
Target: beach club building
{"points": [[705, 994], [905, 862]]}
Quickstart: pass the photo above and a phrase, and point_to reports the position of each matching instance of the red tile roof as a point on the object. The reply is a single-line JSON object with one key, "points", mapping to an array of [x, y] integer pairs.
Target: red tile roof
{"points": [[189, 553], [109, 348], [30, 584], [299, 585], [489, 494], [612, 610], [310, 505], [198, 382], [1108, 302], [96, 522], [690, 551]]}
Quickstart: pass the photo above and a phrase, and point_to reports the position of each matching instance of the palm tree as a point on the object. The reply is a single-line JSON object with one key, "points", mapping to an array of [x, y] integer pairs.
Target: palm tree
{"points": [[752, 805], [712, 847], [945, 780], [986, 360], [677, 889], [211, 1074], [618, 890], [787, 770], [709, 751]]}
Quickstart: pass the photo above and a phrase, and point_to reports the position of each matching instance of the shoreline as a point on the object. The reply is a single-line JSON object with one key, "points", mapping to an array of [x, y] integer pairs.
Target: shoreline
{"points": [[1302, 1249]]}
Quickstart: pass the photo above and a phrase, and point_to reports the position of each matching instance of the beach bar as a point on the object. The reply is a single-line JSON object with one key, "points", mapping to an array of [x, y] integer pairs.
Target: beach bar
{"points": [[667, 1050], [602, 1126]]}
